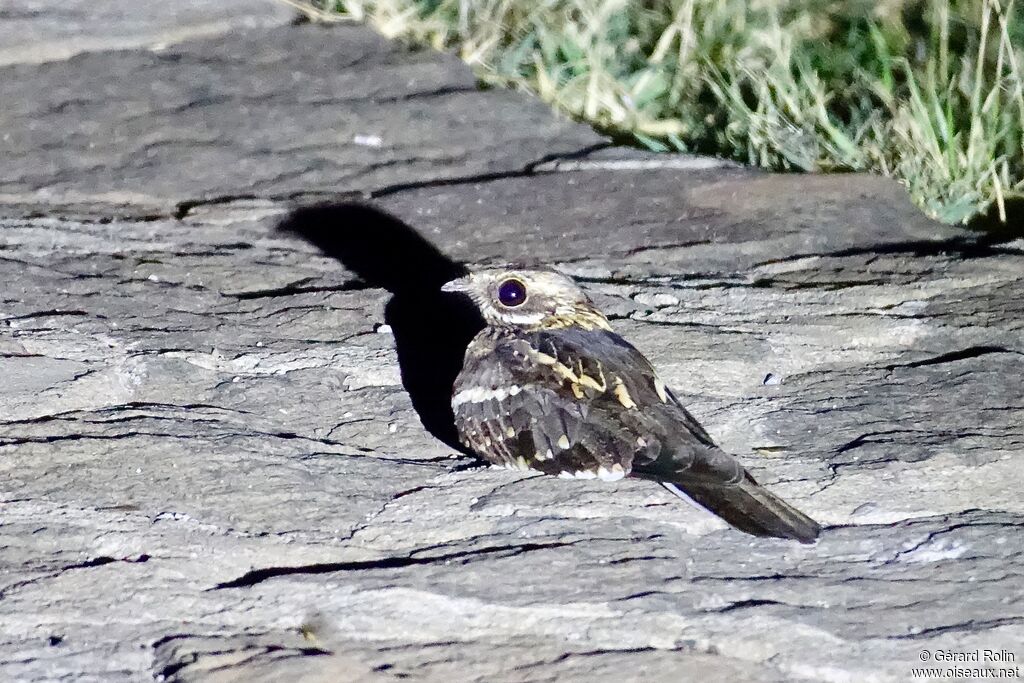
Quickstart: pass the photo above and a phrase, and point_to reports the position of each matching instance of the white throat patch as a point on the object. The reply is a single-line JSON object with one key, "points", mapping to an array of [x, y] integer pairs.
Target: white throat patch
{"points": [[513, 318]]}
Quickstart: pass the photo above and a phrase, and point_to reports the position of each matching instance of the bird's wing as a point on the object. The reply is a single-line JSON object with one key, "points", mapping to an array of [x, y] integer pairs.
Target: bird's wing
{"points": [[579, 402], [586, 403]]}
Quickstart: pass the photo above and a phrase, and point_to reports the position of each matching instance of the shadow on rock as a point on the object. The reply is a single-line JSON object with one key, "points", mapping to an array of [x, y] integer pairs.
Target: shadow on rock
{"points": [[1002, 226], [432, 329]]}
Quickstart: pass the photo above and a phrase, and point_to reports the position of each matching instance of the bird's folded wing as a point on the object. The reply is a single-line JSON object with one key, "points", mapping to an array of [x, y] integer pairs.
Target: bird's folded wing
{"points": [[582, 403]]}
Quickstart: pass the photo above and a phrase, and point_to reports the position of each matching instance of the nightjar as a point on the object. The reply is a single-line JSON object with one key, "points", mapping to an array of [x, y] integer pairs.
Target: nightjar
{"points": [[548, 386]]}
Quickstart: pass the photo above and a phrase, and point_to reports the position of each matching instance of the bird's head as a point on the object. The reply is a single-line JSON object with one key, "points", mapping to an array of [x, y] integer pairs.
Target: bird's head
{"points": [[528, 299]]}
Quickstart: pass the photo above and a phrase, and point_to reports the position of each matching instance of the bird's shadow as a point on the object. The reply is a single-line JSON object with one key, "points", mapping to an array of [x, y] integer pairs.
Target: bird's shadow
{"points": [[432, 328]]}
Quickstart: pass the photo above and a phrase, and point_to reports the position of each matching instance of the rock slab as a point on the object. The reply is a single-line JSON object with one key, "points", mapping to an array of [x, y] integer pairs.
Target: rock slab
{"points": [[211, 471]]}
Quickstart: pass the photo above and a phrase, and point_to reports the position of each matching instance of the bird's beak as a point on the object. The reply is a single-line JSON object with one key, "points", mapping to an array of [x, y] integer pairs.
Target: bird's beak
{"points": [[461, 284]]}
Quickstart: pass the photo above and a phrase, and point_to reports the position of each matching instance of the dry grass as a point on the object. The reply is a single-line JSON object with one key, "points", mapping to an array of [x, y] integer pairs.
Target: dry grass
{"points": [[930, 92]]}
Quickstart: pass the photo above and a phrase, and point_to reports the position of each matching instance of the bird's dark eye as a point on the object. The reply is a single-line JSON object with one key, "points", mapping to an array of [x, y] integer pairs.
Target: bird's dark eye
{"points": [[511, 293]]}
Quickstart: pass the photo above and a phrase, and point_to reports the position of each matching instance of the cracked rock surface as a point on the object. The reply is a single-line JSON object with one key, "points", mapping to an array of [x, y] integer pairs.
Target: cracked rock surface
{"points": [[210, 469]]}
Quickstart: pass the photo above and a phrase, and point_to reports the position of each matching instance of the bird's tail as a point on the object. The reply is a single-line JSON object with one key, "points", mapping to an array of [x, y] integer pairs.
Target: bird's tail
{"points": [[750, 507]]}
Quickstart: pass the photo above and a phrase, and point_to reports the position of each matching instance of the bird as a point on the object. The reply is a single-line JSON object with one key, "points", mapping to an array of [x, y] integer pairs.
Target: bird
{"points": [[548, 386]]}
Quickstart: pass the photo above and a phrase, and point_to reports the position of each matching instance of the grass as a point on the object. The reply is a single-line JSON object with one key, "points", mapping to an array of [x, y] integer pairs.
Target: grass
{"points": [[930, 92]]}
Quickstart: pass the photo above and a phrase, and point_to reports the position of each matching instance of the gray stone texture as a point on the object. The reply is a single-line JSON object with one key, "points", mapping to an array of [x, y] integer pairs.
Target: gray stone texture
{"points": [[210, 470], [36, 31], [273, 112]]}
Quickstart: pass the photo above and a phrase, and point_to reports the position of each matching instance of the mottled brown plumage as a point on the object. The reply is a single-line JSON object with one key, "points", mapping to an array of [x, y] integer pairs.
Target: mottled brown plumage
{"points": [[548, 386]]}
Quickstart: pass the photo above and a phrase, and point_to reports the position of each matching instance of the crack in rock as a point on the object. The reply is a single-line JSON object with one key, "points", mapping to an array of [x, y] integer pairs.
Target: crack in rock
{"points": [[256, 576], [954, 356]]}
